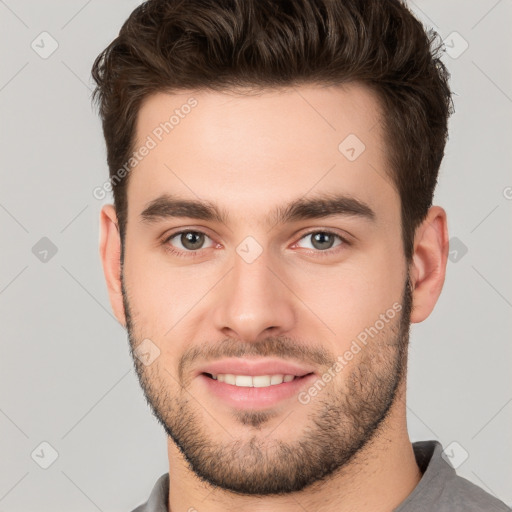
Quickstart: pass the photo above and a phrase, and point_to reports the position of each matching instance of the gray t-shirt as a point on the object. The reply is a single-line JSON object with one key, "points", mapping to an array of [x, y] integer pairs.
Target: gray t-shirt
{"points": [[440, 488]]}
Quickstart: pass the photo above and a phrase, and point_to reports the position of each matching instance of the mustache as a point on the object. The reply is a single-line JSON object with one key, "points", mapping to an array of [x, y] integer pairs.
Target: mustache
{"points": [[280, 347]]}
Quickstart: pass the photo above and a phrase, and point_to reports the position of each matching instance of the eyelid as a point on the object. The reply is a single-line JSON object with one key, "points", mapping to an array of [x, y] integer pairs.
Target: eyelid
{"points": [[204, 231], [345, 238], [168, 237], [331, 231]]}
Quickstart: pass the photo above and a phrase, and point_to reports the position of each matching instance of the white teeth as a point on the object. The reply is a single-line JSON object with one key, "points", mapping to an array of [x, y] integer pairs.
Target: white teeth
{"points": [[229, 379], [261, 381], [257, 381], [243, 380]]}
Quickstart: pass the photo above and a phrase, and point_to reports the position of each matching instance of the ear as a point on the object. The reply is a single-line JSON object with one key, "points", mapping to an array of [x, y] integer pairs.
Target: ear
{"points": [[110, 253], [428, 267]]}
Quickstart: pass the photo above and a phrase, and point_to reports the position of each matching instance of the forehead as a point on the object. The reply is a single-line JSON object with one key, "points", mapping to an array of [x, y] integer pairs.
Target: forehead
{"points": [[248, 150]]}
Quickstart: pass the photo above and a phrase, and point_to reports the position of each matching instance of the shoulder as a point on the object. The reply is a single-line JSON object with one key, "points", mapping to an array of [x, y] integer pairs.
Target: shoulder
{"points": [[158, 499], [442, 490], [461, 494]]}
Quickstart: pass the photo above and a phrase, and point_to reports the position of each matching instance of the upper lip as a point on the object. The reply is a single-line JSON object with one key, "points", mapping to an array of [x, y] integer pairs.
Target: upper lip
{"points": [[252, 367]]}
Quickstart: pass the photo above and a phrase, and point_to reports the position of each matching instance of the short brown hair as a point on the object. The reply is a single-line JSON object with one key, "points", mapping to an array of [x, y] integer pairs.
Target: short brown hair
{"points": [[173, 45]]}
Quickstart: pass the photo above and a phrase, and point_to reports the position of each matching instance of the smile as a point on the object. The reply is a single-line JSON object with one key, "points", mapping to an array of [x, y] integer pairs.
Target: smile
{"points": [[256, 381]]}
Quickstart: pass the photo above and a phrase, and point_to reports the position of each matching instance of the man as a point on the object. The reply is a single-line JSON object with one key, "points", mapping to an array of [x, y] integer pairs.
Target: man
{"points": [[272, 237]]}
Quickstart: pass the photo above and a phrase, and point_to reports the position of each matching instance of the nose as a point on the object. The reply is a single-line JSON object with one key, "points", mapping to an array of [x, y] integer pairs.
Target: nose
{"points": [[255, 301]]}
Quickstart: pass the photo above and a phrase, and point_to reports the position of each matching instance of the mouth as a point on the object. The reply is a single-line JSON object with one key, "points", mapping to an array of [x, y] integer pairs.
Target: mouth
{"points": [[256, 381], [254, 392]]}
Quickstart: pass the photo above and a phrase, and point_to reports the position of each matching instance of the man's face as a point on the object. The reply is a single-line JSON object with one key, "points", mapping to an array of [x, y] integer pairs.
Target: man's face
{"points": [[327, 295]]}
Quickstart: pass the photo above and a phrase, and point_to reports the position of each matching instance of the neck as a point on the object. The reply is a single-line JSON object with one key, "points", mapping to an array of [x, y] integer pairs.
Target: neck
{"points": [[379, 477]]}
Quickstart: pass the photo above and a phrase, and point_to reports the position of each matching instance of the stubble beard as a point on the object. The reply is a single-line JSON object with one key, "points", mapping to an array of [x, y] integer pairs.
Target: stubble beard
{"points": [[340, 420]]}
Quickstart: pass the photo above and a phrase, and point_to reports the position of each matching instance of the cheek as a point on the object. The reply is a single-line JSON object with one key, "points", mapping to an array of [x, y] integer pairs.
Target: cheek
{"points": [[148, 291], [163, 298], [351, 297]]}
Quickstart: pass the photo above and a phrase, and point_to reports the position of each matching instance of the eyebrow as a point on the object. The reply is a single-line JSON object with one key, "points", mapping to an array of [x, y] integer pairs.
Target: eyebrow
{"points": [[325, 205]]}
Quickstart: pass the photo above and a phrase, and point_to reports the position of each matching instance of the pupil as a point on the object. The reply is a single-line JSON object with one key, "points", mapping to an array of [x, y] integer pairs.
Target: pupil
{"points": [[321, 237], [187, 239]]}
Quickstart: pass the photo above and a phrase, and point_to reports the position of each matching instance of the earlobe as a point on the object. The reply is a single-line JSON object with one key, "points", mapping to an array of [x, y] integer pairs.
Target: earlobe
{"points": [[110, 254], [429, 263]]}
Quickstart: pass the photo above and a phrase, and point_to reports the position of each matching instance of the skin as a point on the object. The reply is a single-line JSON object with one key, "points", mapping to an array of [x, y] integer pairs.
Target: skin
{"points": [[348, 448]]}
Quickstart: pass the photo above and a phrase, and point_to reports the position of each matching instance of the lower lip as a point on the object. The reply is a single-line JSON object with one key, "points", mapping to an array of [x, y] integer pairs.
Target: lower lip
{"points": [[251, 397]]}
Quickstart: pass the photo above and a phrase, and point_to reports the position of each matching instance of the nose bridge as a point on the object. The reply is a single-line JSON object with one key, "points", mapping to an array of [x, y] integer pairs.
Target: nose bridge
{"points": [[252, 299]]}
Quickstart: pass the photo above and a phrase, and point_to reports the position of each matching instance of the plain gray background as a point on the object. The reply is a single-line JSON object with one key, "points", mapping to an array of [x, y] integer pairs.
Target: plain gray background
{"points": [[66, 376]]}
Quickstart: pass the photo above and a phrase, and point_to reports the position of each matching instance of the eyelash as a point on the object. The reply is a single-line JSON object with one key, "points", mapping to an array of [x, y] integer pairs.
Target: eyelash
{"points": [[192, 254]]}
